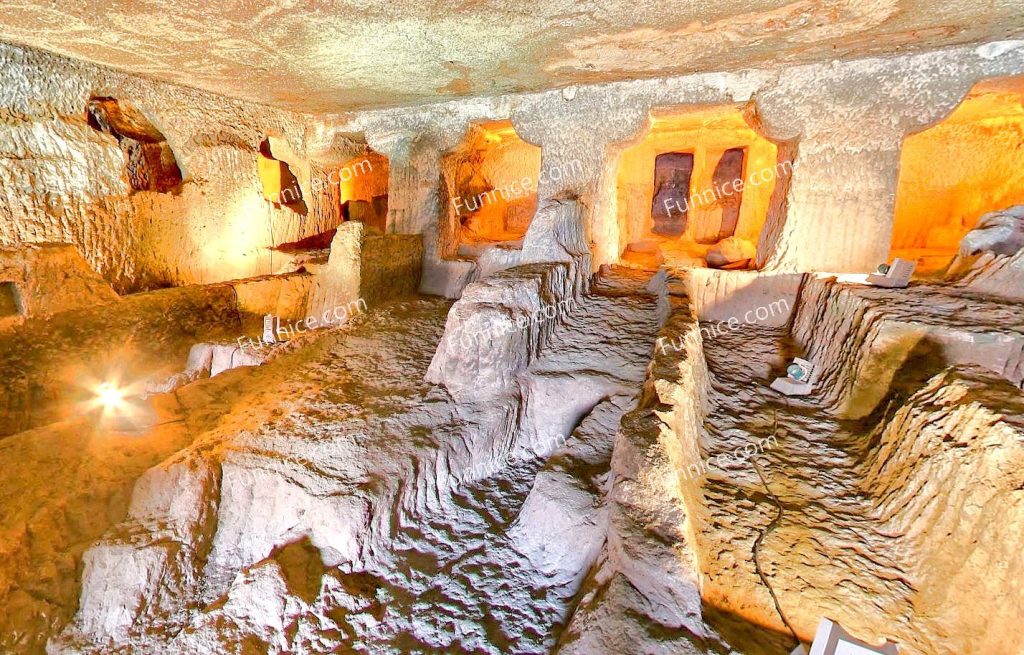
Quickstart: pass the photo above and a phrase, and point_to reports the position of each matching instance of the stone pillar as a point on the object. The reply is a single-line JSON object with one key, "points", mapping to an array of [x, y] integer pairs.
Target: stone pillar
{"points": [[848, 128], [575, 136], [402, 181], [840, 213], [415, 204]]}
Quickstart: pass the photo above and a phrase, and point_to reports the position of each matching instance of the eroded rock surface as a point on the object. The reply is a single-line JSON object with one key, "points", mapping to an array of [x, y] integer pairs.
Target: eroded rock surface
{"points": [[405, 500]]}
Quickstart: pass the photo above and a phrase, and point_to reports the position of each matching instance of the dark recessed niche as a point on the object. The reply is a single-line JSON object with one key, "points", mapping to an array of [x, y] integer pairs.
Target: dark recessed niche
{"points": [[150, 163], [10, 303], [669, 208]]}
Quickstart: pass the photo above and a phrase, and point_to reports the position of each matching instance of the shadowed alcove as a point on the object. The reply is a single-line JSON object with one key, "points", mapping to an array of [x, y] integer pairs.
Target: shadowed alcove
{"points": [[150, 163]]}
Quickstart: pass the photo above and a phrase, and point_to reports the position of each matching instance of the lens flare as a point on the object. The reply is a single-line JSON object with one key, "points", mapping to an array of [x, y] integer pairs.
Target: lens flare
{"points": [[110, 397], [117, 405]]}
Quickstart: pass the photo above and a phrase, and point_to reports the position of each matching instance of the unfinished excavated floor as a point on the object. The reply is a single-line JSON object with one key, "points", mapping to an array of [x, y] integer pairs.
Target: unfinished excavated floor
{"points": [[331, 500], [873, 522], [346, 513]]}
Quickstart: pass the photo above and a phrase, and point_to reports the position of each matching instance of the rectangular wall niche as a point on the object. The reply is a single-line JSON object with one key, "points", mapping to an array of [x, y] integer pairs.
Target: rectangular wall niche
{"points": [[729, 169], [9, 303], [672, 173], [695, 188]]}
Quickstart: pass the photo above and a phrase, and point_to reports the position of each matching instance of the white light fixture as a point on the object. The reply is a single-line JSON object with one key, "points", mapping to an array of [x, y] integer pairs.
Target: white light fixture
{"points": [[831, 639], [799, 379]]}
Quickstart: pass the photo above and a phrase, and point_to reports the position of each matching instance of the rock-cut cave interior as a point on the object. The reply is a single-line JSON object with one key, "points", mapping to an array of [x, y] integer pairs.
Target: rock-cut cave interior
{"points": [[649, 327]]}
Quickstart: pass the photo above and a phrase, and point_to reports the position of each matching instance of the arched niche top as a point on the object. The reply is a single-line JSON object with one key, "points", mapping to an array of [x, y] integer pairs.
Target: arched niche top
{"points": [[989, 96], [150, 163], [856, 106], [696, 116]]}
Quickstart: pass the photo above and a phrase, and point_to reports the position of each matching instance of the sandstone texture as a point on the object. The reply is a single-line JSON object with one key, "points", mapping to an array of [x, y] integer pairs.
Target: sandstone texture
{"points": [[370, 355], [69, 180], [296, 57]]}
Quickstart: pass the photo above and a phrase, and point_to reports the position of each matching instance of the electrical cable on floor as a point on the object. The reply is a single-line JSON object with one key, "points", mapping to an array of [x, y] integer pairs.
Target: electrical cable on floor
{"points": [[771, 526]]}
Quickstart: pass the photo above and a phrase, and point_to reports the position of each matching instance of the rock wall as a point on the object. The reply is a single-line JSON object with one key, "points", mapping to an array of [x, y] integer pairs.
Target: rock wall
{"points": [[644, 594], [867, 342], [65, 181], [945, 477], [847, 120], [501, 323]]}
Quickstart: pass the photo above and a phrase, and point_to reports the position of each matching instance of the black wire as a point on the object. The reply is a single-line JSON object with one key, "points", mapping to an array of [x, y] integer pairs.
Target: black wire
{"points": [[774, 523]]}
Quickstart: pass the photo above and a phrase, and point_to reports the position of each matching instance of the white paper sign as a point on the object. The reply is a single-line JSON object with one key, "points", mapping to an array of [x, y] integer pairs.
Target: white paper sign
{"points": [[268, 329], [831, 639]]}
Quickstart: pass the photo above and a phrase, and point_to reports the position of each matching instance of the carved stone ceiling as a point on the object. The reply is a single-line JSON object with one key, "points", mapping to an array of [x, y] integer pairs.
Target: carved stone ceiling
{"points": [[338, 55]]}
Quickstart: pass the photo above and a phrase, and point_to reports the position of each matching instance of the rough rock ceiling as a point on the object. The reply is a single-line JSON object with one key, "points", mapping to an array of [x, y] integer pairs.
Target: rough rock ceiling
{"points": [[335, 55]]}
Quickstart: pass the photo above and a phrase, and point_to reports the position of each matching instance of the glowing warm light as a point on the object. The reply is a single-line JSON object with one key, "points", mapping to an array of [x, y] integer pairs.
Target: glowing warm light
{"points": [[362, 178], [117, 405], [968, 164], [110, 397], [705, 134], [492, 179]]}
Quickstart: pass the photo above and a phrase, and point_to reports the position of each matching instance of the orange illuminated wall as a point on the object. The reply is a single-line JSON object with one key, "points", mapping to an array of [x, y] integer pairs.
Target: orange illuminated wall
{"points": [[490, 186], [362, 188], [721, 143], [967, 165], [279, 184]]}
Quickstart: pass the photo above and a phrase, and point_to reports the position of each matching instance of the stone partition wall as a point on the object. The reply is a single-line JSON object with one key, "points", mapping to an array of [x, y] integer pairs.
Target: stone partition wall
{"points": [[734, 298], [846, 121], [63, 180], [67, 182], [860, 337], [390, 266], [502, 323], [364, 268], [650, 577]]}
